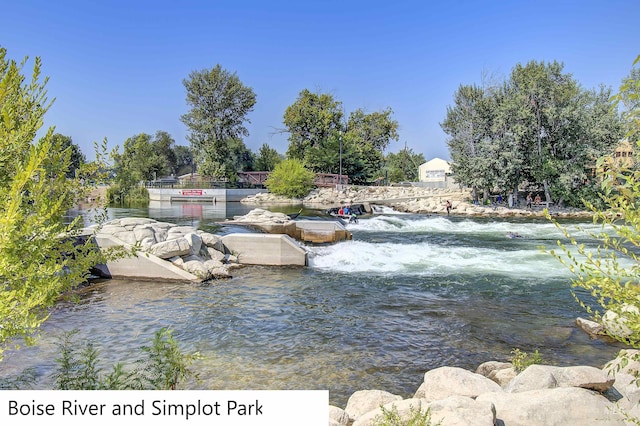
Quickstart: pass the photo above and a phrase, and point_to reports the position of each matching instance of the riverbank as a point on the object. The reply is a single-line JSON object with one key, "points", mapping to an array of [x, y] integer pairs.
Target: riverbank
{"points": [[497, 393], [412, 200]]}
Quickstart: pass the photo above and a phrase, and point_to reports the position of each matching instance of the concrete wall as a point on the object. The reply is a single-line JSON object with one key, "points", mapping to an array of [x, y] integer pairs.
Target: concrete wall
{"points": [[265, 249], [142, 266], [201, 194], [321, 231]]}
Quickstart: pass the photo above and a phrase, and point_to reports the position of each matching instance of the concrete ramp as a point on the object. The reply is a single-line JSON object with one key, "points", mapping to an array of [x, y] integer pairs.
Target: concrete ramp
{"points": [[142, 266], [265, 249]]}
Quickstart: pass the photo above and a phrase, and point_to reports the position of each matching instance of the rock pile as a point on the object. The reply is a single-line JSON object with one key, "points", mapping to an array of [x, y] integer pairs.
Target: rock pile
{"points": [[496, 394], [197, 252], [411, 199]]}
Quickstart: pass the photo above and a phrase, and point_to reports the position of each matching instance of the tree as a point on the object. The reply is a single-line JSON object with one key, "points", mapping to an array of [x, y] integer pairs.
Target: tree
{"points": [[143, 159], [370, 134], [317, 133], [37, 263], [291, 179], [311, 121], [184, 160], [538, 127], [219, 106], [564, 127], [610, 274], [467, 124], [403, 166], [77, 158], [267, 159]]}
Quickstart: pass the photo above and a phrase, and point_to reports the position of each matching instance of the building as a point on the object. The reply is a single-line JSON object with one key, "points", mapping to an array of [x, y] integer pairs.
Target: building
{"points": [[435, 173]]}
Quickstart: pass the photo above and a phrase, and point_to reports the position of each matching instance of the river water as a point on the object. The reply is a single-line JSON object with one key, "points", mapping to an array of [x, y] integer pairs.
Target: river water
{"points": [[409, 293]]}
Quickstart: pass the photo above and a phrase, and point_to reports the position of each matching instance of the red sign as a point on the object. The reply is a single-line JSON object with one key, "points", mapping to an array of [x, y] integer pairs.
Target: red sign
{"points": [[197, 192]]}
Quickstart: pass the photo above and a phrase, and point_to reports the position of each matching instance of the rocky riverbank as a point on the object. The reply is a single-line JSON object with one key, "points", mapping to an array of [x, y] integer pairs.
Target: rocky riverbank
{"points": [[411, 200], [495, 394]]}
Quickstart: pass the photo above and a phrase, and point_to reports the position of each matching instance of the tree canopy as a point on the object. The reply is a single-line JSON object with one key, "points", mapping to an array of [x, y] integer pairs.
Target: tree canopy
{"points": [[219, 104], [37, 263], [539, 127], [318, 134]]}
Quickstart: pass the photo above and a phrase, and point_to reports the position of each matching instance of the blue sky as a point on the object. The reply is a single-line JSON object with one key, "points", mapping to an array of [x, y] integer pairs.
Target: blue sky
{"points": [[116, 68]]}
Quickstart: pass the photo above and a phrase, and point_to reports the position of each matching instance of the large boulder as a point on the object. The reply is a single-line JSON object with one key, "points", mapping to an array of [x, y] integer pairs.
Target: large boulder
{"points": [[462, 411], [338, 417], [559, 406], [500, 372], [171, 248], [547, 377], [363, 401], [443, 382]]}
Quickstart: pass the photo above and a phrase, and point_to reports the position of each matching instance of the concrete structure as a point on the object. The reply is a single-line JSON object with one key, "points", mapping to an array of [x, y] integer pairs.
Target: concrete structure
{"points": [[310, 231], [249, 249], [321, 231], [143, 266], [215, 195], [265, 249]]}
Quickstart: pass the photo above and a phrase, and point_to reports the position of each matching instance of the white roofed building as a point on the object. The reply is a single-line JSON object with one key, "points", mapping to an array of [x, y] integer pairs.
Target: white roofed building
{"points": [[435, 171]]}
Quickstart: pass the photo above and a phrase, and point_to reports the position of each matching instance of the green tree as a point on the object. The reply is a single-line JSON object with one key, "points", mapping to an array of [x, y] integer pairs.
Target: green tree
{"points": [[184, 160], [77, 158], [610, 275], [467, 123], [267, 159], [36, 264], [143, 159], [564, 127], [291, 179], [370, 134], [311, 121], [538, 127], [403, 166], [219, 105]]}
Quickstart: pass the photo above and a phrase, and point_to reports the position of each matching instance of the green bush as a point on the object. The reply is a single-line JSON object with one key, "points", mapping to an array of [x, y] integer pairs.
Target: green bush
{"points": [[162, 366], [417, 417], [291, 179], [521, 360]]}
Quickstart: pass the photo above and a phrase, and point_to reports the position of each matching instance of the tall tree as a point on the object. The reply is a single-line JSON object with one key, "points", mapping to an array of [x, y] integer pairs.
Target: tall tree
{"points": [[311, 120], [267, 159], [403, 165], [184, 160], [371, 134], [36, 264], [76, 157], [219, 104], [466, 123]]}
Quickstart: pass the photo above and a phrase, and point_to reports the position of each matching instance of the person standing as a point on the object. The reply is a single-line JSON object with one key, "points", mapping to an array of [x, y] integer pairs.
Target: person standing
{"points": [[529, 200], [448, 206]]}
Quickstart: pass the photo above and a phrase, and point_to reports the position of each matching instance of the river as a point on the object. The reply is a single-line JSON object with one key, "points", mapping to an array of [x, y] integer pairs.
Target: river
{"points": [[409, 293]]}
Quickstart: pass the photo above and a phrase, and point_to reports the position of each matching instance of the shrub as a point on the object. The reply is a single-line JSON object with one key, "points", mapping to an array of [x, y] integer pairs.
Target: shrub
{"points": [[521, 360], [291, 179], [392, 417]]}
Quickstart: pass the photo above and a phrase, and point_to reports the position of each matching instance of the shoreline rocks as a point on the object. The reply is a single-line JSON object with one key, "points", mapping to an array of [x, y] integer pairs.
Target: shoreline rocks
{"points": [[419, 200], [539, 395]]}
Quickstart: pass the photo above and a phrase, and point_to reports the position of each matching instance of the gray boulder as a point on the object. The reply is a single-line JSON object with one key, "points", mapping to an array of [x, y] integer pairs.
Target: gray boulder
{"points": [[547, 377], [171, 248], [363, 401], [462, 411], [444, 382], [337, 416], [559, 406]]}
